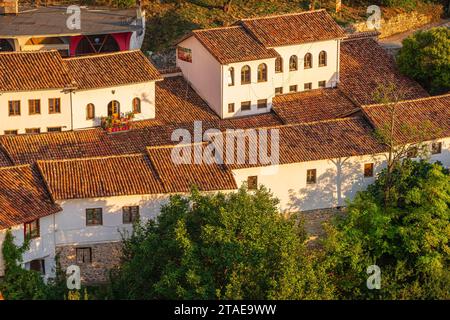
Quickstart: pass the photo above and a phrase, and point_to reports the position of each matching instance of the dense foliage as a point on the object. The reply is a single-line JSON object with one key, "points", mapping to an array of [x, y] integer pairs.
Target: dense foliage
{"points": [[18, 283], [425, 57], [234, 246], [409, 239]]}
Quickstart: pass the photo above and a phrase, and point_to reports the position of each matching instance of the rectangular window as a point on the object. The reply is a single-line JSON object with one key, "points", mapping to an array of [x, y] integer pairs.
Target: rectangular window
{"points": [[308, 86], [262, 104], [252, 182], [84, 255], [311, 176], [184, 54], [38, 265], [54, 129], [54, 105], [94, 217], [32, 130], [130, 214], [412, 152], [11, 132], [293, 88], [34, 106], [14, 108], [230, 107], [436, 147], [31, 229], [322, 84], [368, 170], [278, 90], [246, 105]]}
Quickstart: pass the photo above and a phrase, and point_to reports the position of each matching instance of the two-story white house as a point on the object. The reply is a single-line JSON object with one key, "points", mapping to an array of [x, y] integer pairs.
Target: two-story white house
{"points": [[42, 92], [237, 70]]}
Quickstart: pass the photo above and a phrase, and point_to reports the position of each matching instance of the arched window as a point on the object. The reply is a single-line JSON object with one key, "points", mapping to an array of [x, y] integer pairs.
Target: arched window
{"points": [[90, 111], [113, 107], [308, 61], [136, 105], [293, 63], [262, 72], [246, 75], [322, 59], [279, 64], [231, 76]]}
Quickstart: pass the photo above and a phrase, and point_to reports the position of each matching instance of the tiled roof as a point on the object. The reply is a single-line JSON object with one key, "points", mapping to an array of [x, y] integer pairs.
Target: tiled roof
{"points": [[312, 105], [365, 65], [233, 44], [181, 177], [23, 197], [52, 20], [26, 71], [177, 106], [314, 141], [428, 118], [111, 69], [296, 28], [177, 102], [100, 177]]}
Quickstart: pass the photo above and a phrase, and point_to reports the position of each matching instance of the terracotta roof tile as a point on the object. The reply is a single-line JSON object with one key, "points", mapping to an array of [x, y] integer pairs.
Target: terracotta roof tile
{"points": [[27, 71], [181, 177], [365, 65], [100, 177], [23, 196], [313, 105], [233, 44], [296, 28], [173, 113], [111, 69], [428, 117], [313, 141]]}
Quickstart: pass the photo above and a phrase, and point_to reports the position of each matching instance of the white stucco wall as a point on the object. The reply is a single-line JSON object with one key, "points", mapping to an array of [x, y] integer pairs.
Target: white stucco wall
{"points": [[328, 73], [210, 79], [101, 97], [203, 74], [43, 120], [253, 91], [71, 226]]}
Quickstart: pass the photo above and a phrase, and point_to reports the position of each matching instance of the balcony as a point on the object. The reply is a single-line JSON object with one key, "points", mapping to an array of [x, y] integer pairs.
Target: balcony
{"points": [[117, 122]]}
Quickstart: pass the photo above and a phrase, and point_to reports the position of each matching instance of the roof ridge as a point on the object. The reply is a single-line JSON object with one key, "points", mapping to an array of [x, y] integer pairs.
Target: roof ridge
{"points": [[217, 28], [282, 15], [30, 52], [404, 101], [169, 146], [102, 54], [15, 166], [128, 155]]}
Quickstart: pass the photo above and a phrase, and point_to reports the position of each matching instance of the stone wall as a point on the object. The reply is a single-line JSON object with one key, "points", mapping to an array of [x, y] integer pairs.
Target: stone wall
{"points": [[104, 257], [313, 221], [403, 21]]}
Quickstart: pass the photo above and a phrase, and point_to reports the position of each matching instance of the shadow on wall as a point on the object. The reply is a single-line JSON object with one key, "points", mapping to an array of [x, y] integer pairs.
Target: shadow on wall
{"points": [[332, 188]]}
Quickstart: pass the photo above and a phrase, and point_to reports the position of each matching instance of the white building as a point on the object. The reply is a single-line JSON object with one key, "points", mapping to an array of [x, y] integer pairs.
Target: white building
{"points": [[41, 92], [237, 70]]}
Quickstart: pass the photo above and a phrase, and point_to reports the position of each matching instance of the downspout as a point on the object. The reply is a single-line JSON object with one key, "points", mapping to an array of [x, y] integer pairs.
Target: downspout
{"points": [[338, 61], [221, 91]]}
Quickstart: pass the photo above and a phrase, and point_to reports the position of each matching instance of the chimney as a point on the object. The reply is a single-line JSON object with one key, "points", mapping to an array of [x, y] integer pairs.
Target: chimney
{"points": [[9, 7]]}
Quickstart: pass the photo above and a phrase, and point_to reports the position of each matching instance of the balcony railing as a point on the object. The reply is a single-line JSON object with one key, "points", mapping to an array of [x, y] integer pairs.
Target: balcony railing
{"points": [[117, 122]]}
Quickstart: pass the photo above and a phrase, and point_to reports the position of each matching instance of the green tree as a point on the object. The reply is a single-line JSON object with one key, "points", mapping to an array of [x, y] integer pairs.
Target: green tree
{"points": [[425, 57], [409, 239], [18, 283], [234, 246]]}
